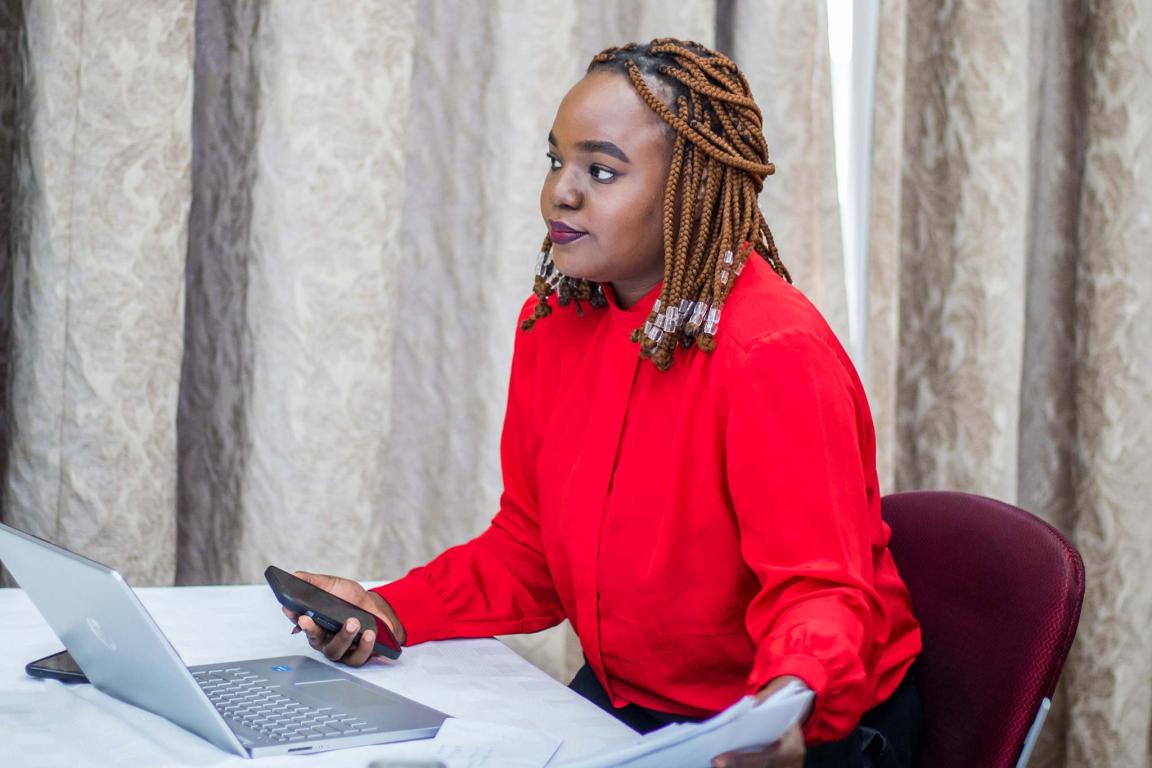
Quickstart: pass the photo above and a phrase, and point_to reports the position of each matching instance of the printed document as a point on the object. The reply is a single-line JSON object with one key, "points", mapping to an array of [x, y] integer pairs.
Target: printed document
{"points": [[745, 725]]}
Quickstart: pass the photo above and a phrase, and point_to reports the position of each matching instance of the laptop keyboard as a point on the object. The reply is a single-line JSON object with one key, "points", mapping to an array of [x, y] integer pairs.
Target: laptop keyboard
{"points": [[245, 698]]}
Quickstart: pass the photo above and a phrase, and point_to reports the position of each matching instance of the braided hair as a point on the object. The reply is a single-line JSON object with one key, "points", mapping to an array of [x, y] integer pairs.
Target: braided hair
{"points": [[712, 221]]}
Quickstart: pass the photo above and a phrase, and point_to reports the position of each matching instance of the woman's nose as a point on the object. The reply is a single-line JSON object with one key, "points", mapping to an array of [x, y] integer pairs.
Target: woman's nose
{"points": [[567, 193]]}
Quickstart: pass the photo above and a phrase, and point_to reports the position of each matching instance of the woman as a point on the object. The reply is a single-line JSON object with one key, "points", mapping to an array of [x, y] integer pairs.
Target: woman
{"points": [[698, 497]]}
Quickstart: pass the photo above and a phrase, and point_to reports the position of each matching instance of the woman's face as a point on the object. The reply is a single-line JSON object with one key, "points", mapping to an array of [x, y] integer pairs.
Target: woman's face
{"points": [[603, 197]]}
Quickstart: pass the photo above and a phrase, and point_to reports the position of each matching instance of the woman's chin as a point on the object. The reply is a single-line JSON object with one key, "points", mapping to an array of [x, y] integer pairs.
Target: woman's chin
{"points": [[574, 270]]}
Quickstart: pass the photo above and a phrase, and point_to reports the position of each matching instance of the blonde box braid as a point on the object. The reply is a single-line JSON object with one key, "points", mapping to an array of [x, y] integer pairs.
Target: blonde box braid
{"points": [[712, 221]]}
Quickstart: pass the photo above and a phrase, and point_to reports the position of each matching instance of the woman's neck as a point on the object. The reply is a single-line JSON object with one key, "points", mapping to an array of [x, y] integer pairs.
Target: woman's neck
{"points": [[628, 292]]}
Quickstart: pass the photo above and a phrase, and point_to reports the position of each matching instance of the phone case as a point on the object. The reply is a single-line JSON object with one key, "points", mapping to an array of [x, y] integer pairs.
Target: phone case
{"points": [[327, 610], [57, 666]]}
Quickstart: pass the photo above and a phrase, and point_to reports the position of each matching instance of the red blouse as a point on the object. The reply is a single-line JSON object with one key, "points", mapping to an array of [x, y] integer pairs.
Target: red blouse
{"points": [[705, 529]]}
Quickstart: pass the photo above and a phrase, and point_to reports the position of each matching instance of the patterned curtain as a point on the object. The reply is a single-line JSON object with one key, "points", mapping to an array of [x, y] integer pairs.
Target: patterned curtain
{"points": [[96, 115], [1010, 299], [262, 262]]}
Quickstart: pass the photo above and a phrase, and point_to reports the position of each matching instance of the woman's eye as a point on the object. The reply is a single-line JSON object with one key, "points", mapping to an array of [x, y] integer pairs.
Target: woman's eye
{"points": [[553, 162], [600, 173]]}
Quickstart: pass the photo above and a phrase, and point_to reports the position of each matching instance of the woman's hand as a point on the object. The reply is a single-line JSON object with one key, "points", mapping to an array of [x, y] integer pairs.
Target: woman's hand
{"points": [[788, 752], [341, 646]]}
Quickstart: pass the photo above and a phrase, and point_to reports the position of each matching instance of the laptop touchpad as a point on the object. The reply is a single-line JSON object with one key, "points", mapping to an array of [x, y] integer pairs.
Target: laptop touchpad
{"points": [[342, 694]]}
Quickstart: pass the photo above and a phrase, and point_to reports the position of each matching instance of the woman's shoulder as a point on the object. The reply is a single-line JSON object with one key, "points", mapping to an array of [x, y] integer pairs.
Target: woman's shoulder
{"points": [[763, 306], [771, 331]]}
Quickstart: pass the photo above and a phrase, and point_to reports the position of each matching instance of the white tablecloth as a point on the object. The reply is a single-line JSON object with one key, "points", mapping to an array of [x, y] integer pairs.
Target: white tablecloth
{"points": [[45, 723]]}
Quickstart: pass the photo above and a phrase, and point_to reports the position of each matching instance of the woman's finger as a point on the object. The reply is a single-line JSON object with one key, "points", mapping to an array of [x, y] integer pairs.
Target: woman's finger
{"points": [[363, 649], [317, 637], [292, 618], [758, 759], [337, 647], [779, 754]]}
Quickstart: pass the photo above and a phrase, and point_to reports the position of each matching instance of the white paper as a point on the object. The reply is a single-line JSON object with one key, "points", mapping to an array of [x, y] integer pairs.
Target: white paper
{"points": [[49, 724], [476, 744], [744, 725]]}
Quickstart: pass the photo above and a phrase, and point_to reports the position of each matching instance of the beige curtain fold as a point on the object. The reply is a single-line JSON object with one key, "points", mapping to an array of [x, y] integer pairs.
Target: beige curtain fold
{"points": [[963, 231], [1010, 296], [884, 233], [1111, 671], [215, 389], [99, 193], [783, 49], [292, 262], [12, 51]]}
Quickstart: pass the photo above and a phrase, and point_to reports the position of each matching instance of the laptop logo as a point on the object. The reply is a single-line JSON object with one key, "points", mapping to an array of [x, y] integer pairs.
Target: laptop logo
{"points": [[98, 631], [281, 668]]}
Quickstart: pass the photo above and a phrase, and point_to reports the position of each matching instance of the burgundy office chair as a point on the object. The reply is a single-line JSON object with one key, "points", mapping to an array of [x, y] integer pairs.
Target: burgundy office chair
{"points": [[998, 594]]}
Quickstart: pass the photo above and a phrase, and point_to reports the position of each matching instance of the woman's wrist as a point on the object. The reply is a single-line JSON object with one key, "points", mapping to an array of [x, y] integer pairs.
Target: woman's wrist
{"points": [[777, 683], [381, 607]]}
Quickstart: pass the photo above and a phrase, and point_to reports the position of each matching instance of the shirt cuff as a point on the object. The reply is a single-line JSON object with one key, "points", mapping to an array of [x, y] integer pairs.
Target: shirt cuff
{"points": [[810, 670], [807, 668], [420, 610]]}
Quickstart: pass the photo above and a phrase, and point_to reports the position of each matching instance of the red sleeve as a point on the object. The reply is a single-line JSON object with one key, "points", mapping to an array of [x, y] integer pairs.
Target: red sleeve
{"points": [[498, 583], [797, 438]]}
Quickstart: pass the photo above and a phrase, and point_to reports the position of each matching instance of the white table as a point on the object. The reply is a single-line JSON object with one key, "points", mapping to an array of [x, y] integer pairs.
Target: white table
{"points": [[45, 723]]}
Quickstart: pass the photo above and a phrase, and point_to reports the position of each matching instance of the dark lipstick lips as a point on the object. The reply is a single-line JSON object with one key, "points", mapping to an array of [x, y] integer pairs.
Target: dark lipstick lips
{"points": [[562, 234]]}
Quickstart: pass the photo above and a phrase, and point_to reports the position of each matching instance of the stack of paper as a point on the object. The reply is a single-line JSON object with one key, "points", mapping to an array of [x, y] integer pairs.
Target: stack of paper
{"points": [[745, 725]]}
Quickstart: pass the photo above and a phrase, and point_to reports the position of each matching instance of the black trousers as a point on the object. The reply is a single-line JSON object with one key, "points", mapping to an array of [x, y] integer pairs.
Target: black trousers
{"points": [[888, 735]]}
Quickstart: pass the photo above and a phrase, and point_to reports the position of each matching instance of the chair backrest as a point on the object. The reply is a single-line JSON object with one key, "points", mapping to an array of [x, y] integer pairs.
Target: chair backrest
{"points": [[998, 594]]}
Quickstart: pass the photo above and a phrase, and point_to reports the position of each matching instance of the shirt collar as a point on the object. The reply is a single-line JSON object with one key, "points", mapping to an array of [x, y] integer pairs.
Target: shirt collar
{"points": [[637, 314]]}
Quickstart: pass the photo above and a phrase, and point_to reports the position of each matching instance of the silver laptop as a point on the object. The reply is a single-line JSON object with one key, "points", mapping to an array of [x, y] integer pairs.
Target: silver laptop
{"points": [[291, 704]]}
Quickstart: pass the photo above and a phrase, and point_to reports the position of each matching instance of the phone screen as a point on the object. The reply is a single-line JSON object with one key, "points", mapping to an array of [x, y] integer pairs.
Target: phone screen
{"points": [[327, 610], [58, 666]]}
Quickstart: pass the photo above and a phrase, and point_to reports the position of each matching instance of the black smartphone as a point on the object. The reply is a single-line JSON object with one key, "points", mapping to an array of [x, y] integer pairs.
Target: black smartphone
{"points": [[327, 610], [58, 666]]}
